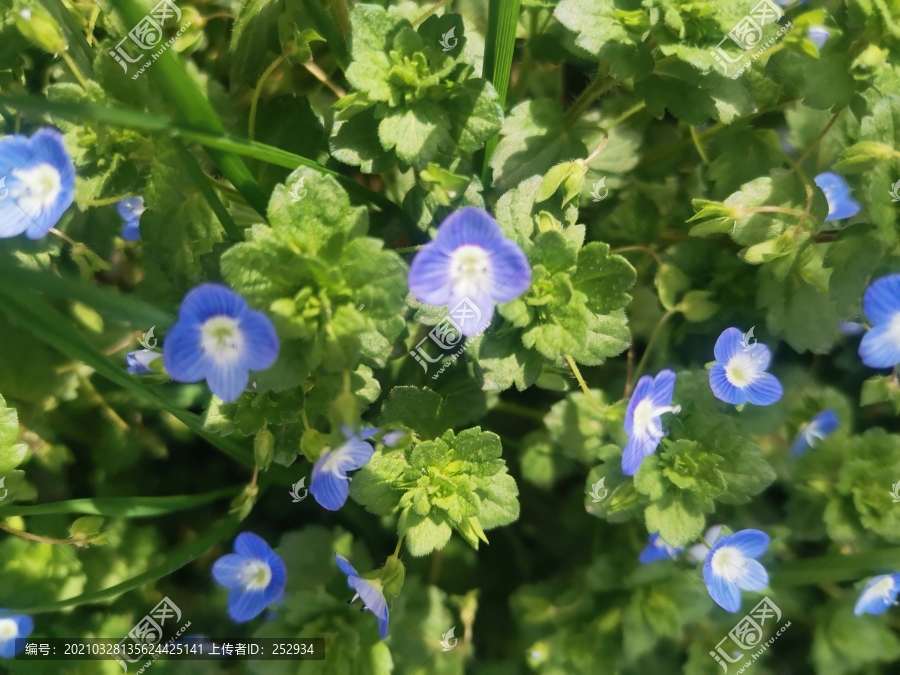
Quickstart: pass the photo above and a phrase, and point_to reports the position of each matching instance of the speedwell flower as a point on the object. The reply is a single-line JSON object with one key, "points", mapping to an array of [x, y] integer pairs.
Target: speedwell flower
{"points": [[370, 592], [255, 574], [131, 210], [140, 360], [220, 339], [878, 595], [651, 398], [12, 627], [37, 183], [469, 267], [330, 484], [880, 347], [730, 567], [739, 373], [840, 202], [818, 35], [820, 426], [657, 549]]}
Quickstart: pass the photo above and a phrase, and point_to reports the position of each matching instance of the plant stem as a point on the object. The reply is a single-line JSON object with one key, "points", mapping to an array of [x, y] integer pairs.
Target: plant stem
{"points": [[108, 201], [254, 101], [399, 544], [429, 12], [643, 362], [520, 410], [629, 372], [75, 71], [322, 77], [625, 115], [34, 537], [698, 145], [409, 249], [601, 84], [644, 249], [305, 420], [818, 138], [583, 384]]}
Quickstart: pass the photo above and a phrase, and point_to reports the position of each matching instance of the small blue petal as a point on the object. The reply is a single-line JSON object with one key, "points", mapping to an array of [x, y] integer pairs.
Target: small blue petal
{"points": [[851, 328], [131, 230], [820, 426], [764, 391], [372, 598], [642, 390], [392, 438], [840, 202], [753, 578], [131, 209], [330, 484], [228, 380], [24, 626], [880, 347], [881, 301], [512, 273], [729, 343], [139, 362], [345, 565], [818, 35], [656, 550], [724, 593], [751, 543], [227, 569], [663, 388], [722, 388]]}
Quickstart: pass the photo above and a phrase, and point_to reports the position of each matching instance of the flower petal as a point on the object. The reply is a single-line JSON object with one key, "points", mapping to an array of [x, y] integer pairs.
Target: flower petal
{"points": [[800, 444], [512, 273], [13, 220], [880, 347], [374, 601], [227, 569], [227, 380], [329, 489], [881, 301], [183, 357], [663, 388], [252, 546], [429, 276], [722, 388], [875, 599], [729, 343], [472, 313], [345, 565], [751, 543], [260, 341], [642, 390], [468, 227], [753, 576], [25, 624], [244, 605], [764, 391], [208, 300], [724, 593]]}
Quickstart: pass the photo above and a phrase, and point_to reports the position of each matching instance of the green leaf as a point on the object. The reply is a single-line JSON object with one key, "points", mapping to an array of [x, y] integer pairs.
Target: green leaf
{"points": [[121, 507], [415, 133], [824, 83], [11, 453], [604, 278], [852, 258]]}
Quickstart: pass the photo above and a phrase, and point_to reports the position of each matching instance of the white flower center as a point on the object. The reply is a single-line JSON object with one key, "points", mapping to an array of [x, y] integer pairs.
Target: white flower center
{"points": [[894, 328], [8, 629], [882, 588], [742, 370], [256, 575], [221, 339], [39, 188], [470, 266], [646, 416], [728, 563]]}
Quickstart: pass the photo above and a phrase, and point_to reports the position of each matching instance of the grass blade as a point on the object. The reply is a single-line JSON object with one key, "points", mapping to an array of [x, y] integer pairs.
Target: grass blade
{"points": [[124, 507]]}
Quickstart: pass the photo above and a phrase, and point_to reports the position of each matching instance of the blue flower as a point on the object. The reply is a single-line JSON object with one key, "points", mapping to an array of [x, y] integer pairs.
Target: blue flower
{"points": [[697, 553], [370, 592], [330, 484], [220, 339], [820, 426], [878, 595], [392, 438], [131, 210], [730, 567], [739, 373], [469, 262], [38, 177], [818, 35], [255, 574], [880, 347], [12, 627], [139, 362], [657, 549], [837, 193], [651, 398]]}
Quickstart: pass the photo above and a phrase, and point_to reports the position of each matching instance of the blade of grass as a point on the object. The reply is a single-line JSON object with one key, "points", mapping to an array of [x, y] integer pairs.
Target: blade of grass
{"points": [[836, 567], [174, 561], [202, 182], [124, 507], [503, 19], [194, 108]]}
